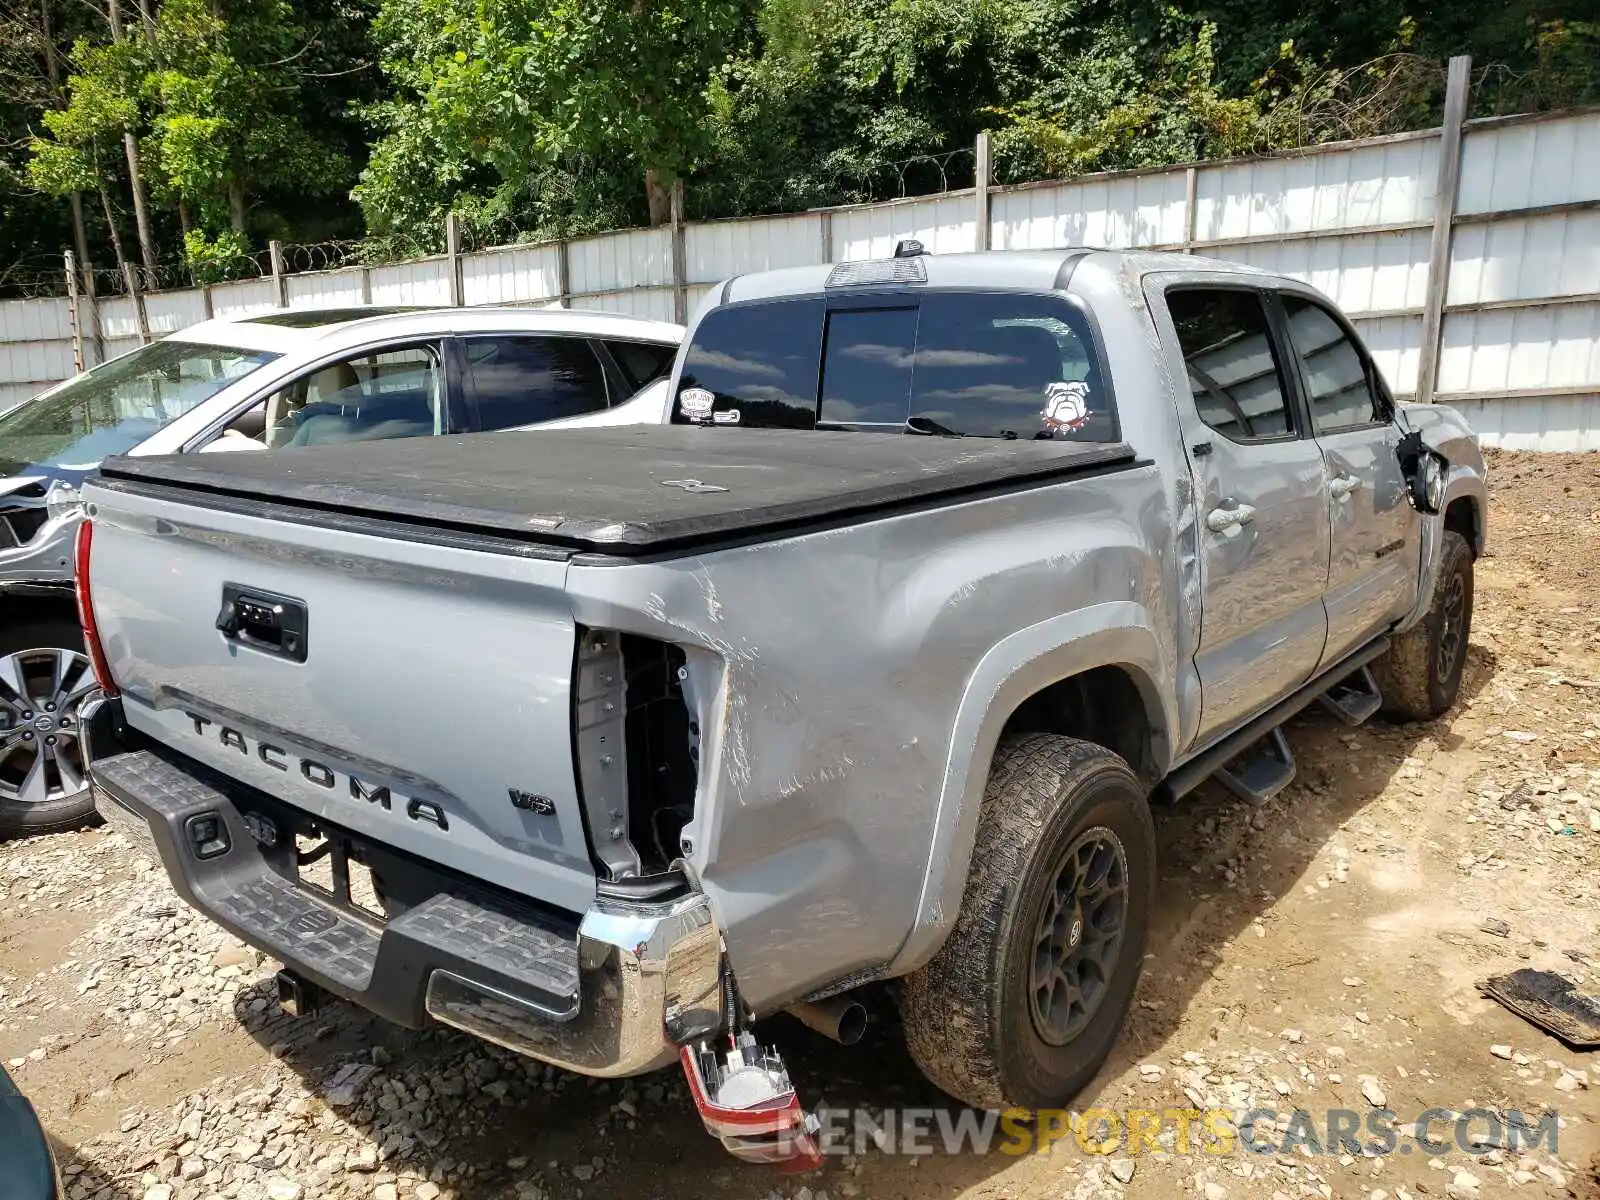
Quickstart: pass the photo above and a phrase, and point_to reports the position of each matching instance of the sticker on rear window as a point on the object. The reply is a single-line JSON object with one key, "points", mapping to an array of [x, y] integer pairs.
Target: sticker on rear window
{"points": [[696, 403], [1066, 406]]}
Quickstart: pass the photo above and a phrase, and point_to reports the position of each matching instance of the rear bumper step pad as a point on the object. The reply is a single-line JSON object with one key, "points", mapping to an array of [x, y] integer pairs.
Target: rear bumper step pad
{"points": [[383, 967], [613, 995]]}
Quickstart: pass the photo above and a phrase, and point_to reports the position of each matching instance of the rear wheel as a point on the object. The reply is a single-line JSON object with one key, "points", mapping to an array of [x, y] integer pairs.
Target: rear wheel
{"points": [[1025, 999], [44, 679]]}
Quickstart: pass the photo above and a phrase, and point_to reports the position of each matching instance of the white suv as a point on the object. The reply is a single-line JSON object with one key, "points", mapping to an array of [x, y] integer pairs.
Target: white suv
{"points": [[276, 381]]}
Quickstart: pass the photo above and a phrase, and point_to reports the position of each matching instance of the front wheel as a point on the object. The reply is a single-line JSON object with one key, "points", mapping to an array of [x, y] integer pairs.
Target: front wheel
{"points": [[1023, 1002], [1419, 676], [44, 680]]}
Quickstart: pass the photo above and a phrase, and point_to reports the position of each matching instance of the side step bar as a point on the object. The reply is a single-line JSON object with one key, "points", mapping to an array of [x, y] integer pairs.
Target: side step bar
{"points": [[1354, 698], [1217, 755], [1263, 776]]}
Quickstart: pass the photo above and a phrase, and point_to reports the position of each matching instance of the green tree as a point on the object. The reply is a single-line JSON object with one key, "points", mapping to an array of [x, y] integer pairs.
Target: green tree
{"points": [[224, 98], [524, 87]]}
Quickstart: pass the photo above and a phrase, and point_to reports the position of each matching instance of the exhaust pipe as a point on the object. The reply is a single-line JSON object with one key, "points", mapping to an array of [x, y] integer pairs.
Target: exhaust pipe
{"points": [[840, 1018]]}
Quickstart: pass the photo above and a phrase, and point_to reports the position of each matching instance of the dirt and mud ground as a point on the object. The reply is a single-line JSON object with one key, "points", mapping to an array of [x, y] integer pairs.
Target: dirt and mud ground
{"points": [[1320, 953]]}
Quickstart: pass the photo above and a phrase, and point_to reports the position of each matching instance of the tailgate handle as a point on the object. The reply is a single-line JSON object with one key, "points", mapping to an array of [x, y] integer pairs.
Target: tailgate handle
{"points": [[265, 621]]}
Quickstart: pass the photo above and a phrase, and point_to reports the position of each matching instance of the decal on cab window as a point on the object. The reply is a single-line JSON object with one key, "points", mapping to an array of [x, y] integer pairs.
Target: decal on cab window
{"points": [[1066, 406]]}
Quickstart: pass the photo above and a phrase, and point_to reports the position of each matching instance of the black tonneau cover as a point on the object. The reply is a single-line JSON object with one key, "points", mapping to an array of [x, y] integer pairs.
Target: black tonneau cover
{"points": [[634, 488]]}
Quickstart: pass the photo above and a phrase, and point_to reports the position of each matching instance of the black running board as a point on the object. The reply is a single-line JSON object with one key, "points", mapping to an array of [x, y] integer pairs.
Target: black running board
{"points": [[1202, 766], [1263, 771], [1355, 698]]}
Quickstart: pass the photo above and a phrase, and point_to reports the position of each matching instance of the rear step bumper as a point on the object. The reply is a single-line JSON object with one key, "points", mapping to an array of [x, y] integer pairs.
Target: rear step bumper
{"points": [[615, 995]]}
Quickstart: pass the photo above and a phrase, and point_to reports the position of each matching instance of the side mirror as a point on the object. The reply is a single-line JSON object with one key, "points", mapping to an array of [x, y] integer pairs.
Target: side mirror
{"points": [[1424, 471]]}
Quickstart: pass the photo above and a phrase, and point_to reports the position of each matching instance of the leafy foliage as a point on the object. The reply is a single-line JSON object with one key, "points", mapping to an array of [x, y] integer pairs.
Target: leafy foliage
{"points": [[536, 118]]}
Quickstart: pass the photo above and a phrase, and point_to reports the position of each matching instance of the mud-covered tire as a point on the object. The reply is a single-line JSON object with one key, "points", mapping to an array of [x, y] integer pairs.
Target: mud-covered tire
{"points": [[1419, 676], [68, 812], [970, 1015]]}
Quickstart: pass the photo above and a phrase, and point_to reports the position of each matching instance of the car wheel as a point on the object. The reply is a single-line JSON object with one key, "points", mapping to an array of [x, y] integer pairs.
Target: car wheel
{"points": [[1419, 676], [1024, 1001], [44, 679]]}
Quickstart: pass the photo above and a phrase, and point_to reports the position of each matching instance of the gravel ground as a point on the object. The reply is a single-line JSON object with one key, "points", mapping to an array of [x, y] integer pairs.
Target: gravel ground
{"points": [[1319, 952]]}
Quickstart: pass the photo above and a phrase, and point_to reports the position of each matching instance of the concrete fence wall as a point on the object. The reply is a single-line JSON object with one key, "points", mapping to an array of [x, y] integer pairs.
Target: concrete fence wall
{"points": [[1468, 257]]}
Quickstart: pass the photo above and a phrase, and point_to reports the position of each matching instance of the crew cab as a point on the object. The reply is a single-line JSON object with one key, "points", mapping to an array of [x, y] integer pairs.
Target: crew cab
{"points": [[866, 671], [280, 380]]}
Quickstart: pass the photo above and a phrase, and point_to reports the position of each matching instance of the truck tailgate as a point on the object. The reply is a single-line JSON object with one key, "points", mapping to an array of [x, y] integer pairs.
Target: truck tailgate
{"points": [[434, 689]]}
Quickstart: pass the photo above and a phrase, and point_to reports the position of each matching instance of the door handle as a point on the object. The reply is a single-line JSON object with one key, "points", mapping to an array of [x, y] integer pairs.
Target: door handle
{"points": [[1340, 486], [1220, 520]]}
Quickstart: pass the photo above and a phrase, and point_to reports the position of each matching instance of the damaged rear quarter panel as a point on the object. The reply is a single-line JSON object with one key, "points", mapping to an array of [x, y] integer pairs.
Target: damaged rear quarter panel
{"points": [[846, 656]]}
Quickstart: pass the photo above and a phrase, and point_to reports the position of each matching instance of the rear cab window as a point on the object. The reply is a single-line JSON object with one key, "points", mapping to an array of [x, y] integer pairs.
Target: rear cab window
{"points": [[971, 364]]}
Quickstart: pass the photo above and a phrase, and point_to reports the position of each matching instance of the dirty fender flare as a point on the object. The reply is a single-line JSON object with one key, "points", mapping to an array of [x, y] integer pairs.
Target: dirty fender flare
{"points": [[1117, 633]]}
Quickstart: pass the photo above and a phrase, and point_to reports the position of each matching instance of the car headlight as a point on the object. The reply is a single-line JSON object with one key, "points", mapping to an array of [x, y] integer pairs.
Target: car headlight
{"points": [[62, 500], [1433, 481]]}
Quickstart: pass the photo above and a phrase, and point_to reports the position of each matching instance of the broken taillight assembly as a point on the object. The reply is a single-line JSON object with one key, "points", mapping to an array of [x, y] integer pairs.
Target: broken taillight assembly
{"points": [[85, 597], [748, 1103]]}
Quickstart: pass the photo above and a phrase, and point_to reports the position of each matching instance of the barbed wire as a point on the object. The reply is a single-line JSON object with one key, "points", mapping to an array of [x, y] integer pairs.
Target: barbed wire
{"points": [[922, 175], [480, 232]]}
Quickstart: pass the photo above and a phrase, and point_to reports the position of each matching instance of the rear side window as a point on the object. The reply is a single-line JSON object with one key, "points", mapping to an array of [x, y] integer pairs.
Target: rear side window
{"points": [[642, 362], [523, 380], [1233, 369], [759, 361]]}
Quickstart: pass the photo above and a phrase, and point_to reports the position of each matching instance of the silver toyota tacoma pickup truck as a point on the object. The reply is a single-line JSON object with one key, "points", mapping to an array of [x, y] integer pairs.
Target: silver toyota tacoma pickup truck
{"points": [[608, 745]]}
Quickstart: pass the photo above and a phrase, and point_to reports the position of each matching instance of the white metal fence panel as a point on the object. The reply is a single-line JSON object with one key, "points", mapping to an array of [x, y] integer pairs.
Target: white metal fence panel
{"points": [[328, 289], [1521, 349], [168, 312], [613, 262], [35, 320], [1535, 423], [1367, 273], [35, 346], [1358, 186], [1528, 163], [426, 281], [653, 304], [243, 298], [718, 249], [944, 224], [1526, 258], [1114, 211], [517, 275]]}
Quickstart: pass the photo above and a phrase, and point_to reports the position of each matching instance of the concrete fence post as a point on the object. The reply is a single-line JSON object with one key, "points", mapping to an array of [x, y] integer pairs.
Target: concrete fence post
{"points": [[1457, 88], [280, 277], [452, 250], [983, 173], [1191, 214]]}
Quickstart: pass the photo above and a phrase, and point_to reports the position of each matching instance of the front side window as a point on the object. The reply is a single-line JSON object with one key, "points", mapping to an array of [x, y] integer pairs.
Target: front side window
{"points": [[526, 380], [119, 404], [759, 360], [1338, 387], [375, 395], [1233, 369]]}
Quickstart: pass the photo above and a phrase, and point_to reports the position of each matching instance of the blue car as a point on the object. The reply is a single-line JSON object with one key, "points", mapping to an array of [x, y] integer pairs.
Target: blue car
{"points": [[27, 1168]]}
